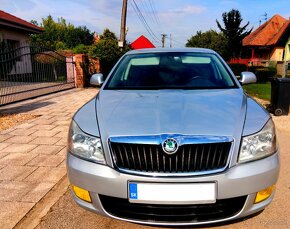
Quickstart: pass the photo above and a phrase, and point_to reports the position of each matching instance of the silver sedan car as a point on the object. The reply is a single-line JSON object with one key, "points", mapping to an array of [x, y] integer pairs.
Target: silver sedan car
{"points": [[172, 139]]}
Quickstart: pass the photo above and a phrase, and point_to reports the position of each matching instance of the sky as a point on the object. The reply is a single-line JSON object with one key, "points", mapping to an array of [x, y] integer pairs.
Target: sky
{"points": [[180, 18]]}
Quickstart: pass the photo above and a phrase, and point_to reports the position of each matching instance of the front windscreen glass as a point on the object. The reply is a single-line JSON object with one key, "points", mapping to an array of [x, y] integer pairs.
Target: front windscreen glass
{"points": [[170, 71]]}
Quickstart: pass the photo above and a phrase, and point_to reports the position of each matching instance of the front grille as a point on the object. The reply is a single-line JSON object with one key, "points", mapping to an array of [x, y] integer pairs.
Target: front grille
{"points": [[188, 158], [222, 209]]}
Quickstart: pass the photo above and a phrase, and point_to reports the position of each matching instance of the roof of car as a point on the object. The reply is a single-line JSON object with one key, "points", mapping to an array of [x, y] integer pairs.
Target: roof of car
{"points": [[166, 50]]}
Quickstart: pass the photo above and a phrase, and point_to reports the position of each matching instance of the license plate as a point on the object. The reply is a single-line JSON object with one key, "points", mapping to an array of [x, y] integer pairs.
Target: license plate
{"points": [[164, 193]]}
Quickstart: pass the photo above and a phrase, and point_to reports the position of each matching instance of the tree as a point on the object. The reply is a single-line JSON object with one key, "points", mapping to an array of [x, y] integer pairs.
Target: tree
{"points": [[61, 35], [107, 51], [233, 30], [212, 40]]}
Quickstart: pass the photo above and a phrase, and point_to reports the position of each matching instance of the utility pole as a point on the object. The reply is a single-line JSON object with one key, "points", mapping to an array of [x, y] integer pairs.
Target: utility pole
{"points": [[123, 24], [163, 40], [170, 40]]}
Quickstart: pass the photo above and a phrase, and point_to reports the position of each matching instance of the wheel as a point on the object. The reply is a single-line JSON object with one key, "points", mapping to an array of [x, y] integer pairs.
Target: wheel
{"points": [[278, 112]]}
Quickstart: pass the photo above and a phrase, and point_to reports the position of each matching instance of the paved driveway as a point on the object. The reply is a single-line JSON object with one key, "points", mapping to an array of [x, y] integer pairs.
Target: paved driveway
{"points": [[32, 154]]}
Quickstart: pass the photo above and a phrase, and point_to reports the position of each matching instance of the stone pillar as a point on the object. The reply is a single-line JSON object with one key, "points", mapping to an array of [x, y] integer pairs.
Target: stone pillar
{"points": [[80, 75], [70, 69]]}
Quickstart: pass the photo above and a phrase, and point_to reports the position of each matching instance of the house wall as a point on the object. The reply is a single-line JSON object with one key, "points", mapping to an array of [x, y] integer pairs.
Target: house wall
{"points": [[277, 54], [7, 34], [23, 65], [287, 51]]}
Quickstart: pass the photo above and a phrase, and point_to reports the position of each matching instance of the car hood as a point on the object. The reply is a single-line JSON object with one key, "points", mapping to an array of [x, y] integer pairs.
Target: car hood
{"points": [[187, 112]]}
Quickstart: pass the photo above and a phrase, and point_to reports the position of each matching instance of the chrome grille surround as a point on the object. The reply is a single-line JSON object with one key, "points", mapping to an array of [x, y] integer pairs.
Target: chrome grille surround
{"points": [[150, 158]]}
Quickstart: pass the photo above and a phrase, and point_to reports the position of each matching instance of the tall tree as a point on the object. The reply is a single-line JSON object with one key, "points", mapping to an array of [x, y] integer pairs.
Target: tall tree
{"points": [[212, 40], [61, 35], [234, 31], [107, 51]]}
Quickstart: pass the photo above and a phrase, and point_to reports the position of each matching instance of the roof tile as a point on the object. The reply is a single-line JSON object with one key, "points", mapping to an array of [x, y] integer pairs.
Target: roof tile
{"points": [[15, 20], [268, 33]]}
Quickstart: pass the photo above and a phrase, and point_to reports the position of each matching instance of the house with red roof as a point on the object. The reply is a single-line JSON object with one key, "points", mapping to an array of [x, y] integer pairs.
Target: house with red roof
{"points": [[141, 43], [268, 43], [15, 30]]}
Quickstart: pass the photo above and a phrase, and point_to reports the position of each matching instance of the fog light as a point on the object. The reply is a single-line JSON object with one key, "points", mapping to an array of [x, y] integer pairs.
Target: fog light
{"points": [[264, 194], [82, 193]]}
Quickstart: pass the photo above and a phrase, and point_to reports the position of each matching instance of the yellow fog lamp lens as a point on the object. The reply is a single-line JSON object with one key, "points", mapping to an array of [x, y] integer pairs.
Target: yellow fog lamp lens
{"points": [[82, 193], [264, 194]]}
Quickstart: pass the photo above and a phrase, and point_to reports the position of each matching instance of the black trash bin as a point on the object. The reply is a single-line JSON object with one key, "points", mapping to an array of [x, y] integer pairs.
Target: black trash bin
{"points": [[280, 96]]}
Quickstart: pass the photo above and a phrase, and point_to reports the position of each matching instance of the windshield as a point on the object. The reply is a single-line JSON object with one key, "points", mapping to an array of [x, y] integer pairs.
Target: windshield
{"points": [[170, 71]]}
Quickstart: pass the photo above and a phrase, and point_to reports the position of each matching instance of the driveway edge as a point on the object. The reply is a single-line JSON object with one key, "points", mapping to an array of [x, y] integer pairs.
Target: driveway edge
{"points": [[35, 215]]}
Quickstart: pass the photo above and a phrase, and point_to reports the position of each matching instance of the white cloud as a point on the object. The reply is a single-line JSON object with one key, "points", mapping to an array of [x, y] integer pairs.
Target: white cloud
{"points": [[190, 9]]}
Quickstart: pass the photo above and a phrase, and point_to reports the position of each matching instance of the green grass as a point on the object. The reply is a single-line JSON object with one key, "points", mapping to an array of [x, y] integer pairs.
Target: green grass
{"points": [[261, 90]]}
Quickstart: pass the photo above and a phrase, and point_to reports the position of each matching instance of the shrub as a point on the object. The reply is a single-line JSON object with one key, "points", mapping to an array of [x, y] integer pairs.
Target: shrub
{"points": [[81, 49], [263, 74], [238, 68]]}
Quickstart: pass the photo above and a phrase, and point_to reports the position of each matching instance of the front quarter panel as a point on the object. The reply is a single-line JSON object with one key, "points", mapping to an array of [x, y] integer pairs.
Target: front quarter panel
{"points": [[86, 118], [256, 117]]}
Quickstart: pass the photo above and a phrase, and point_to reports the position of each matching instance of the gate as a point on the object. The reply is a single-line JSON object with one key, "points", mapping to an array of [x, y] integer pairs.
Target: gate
{"points": [[29, 71]]}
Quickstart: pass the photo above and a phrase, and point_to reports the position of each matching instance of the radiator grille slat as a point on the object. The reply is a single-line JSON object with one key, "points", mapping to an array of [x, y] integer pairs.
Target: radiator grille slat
{"points": [[188, 158]]}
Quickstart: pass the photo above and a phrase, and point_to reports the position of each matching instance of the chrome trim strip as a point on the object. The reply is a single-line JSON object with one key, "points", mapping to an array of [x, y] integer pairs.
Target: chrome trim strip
{"points": [[182, 140], [181, 174]]}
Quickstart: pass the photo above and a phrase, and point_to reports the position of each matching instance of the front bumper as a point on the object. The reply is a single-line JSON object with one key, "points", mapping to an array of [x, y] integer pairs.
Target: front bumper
{"points": [[241, 180]]}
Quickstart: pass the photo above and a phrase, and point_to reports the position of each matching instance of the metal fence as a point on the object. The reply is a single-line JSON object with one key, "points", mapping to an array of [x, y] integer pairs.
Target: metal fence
{"points": [[28, 71]]}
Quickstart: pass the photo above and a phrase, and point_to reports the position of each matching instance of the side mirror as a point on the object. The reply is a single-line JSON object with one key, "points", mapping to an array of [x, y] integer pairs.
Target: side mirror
{"points": [[97, 79], [247, 78]]}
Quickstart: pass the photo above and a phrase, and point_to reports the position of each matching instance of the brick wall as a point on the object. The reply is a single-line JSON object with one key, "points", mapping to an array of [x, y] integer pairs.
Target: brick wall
{"points": [[80, 76], [85, 66]]}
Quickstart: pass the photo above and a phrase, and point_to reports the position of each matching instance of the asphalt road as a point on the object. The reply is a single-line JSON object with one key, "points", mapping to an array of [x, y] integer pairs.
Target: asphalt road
{"points": [[66, 214]]}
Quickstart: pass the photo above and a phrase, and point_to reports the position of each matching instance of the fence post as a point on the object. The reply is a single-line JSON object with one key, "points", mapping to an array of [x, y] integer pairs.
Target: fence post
{"points": [[70, 69]]}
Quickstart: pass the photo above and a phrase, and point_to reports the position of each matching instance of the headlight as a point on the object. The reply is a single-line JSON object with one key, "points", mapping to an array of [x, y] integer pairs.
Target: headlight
{"points": [[259, 145], [85, 146]]}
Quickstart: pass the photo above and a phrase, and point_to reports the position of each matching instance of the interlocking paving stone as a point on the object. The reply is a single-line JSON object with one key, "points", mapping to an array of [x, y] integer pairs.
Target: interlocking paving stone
{"points": [[43, 127], [15, 172], [19, 148], [63, 164], [43, 121], [37, 192], [4, 145], [25, 125], [46, 160], [62, 142], [61, 123], [45, 133], [63, 152], [20, 139], [14, 190], [12, 212], [22, 132], [45, 140], [62, 128], [4, 137], [3, 154], [32, 154], [7, 131], [47, 149], [62, 134], [46, 174], [17, 159]]}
